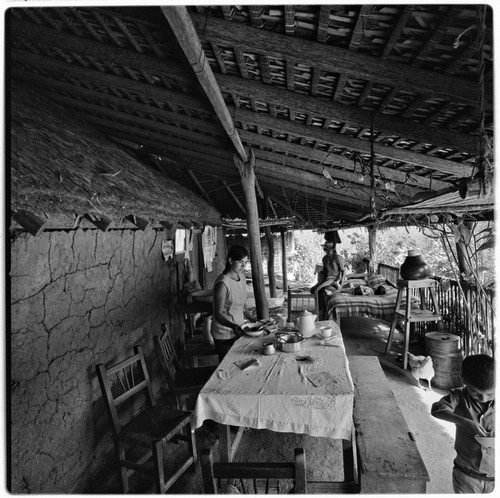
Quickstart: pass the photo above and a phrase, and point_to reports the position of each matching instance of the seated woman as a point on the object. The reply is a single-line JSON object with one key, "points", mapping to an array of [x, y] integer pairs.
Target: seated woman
{"points": [[229, 301]]}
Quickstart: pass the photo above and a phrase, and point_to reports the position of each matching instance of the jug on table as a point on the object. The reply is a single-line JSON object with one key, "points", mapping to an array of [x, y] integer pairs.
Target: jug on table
{"points": [[306, 323]]}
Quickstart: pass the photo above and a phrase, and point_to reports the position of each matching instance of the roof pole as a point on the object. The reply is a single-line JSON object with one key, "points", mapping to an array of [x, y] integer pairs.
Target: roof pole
{"points": [[247, 173], [182, 26]]}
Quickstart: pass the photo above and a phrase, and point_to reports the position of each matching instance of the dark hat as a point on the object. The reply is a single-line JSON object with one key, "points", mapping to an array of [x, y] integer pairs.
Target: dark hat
{"points": [[329, 245]]}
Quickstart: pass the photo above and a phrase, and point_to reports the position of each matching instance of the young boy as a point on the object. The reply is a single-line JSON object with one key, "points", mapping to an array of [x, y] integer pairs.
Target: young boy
{"points": [[472, 409]]}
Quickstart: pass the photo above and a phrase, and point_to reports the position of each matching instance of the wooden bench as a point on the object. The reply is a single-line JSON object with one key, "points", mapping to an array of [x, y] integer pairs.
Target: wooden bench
{"points": [[388, 457]]}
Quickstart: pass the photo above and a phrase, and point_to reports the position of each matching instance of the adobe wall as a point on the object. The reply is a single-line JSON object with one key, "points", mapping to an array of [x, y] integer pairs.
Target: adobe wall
{"points": [[79, 298]]}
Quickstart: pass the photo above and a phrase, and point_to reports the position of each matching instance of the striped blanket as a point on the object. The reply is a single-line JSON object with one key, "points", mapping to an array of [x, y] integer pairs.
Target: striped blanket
{"points": [[342, 304]]}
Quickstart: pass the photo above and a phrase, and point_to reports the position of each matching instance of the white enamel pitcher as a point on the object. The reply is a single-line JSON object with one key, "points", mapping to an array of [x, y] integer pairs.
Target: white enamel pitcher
{"points": [[306, 323]]}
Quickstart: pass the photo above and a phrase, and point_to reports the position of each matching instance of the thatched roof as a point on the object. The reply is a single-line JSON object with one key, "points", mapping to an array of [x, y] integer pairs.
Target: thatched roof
{"points": [[61, 165], [351, 110]]}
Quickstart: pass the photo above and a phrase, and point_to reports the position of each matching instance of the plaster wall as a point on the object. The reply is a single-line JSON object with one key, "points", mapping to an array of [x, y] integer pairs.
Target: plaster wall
{"points": [[78, 298]]}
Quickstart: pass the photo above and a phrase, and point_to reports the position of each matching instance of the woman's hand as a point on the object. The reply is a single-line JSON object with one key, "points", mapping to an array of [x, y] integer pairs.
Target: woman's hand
{"points": [[238, 331]]}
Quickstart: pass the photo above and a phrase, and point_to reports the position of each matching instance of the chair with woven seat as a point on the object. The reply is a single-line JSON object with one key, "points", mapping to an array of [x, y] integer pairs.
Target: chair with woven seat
{"points": [[254, 477], [183, 382], [142, 426]]}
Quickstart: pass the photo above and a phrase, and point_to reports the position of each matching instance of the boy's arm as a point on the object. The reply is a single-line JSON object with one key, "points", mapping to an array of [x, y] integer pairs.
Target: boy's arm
{"points": [[444, 409]]}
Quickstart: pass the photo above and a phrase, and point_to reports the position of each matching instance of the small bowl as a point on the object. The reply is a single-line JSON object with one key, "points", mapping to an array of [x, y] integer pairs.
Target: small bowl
{"points": [[253, 333], [253, 329]]}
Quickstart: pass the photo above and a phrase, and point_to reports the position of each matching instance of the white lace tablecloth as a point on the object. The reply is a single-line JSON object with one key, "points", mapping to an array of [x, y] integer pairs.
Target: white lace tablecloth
{"points": [[282, 394]]}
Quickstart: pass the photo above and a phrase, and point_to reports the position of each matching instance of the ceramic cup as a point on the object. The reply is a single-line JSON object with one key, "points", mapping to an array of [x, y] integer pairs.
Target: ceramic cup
{"points": [[268, 348], [326, 331]]}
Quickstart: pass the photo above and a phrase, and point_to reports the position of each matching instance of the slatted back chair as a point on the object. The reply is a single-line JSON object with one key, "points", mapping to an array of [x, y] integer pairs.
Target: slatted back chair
{"points": [[142, 425], [252, 477], [300, 301], [182, 382]]}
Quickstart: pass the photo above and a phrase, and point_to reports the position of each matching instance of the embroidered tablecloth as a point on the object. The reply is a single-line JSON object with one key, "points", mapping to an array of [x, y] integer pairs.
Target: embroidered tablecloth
{"points": [[306, 392]]}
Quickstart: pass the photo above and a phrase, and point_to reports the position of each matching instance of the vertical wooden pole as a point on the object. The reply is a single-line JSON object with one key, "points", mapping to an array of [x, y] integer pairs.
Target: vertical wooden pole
{"points": [[284, 269], [464, 264], [372, 244], [270, 245], [247, 174]]}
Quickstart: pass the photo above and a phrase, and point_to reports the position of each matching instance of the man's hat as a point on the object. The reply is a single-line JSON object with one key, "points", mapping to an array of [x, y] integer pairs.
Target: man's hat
{"points": [[329, 245]]}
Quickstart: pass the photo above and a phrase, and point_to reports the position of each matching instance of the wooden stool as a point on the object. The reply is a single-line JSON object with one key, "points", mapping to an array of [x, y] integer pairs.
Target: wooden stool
{"points": [[410, 314]]}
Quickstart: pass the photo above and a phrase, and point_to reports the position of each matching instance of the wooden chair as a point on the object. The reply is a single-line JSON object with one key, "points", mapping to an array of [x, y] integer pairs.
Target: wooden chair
{"points": [[254, 478], [183, 382], [300, 301], [139, 434], [193, 344]]}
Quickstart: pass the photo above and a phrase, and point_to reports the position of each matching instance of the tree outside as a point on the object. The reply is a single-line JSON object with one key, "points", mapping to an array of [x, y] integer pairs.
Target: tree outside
{"points": [[392, 248]]}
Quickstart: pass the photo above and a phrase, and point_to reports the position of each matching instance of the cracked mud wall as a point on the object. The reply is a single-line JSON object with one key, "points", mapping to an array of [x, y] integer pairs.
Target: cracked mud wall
{"points": [[78, 298]]}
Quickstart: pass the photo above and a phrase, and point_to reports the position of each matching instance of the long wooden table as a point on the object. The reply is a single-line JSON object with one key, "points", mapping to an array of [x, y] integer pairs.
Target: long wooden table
{"points": [[281, 393]]}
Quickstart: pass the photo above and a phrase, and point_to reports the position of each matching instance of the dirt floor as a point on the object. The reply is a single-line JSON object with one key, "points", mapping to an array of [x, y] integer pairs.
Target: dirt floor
{"points": [[362, 336]]}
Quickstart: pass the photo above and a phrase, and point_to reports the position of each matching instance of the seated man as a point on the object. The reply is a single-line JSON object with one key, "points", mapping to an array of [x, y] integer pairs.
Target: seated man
{"points": [[331, 276]]}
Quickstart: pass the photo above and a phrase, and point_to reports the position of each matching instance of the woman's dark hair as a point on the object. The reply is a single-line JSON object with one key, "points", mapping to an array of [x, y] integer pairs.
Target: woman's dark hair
{"points": [[235, 253], [479, 371]]}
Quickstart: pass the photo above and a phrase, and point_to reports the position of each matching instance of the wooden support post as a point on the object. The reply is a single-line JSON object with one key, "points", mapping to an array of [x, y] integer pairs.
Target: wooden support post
{"points": [[182, 26], [247, 174], [270, 245], [284, 268], [464, 264], [372, 244], [30, 222]]}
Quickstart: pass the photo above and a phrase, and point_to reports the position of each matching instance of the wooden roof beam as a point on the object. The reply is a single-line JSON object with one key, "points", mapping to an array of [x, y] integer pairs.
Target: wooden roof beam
{"points": [[199, 185], [348, 142], [104, 53], [186, 35], [300, 177], [233, 196], [336, 60], [327, 108], [324, 157], [99, 78]]}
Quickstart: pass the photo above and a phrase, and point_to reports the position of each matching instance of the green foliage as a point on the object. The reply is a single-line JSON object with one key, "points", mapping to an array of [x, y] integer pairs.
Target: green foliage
{"points": [[308, 253]]}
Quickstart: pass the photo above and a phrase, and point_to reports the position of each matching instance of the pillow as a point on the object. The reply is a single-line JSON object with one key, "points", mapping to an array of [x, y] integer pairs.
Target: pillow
{"points": [[374, 280]]}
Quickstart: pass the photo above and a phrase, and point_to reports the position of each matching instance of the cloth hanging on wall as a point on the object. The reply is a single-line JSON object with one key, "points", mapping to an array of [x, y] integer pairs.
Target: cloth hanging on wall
{"points": [[209, 245], [189, 243]]}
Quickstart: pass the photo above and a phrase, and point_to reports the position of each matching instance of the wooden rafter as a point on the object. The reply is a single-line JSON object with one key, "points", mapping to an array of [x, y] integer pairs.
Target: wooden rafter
{"points": [[335, 59], [181, 25], [323, 108]]}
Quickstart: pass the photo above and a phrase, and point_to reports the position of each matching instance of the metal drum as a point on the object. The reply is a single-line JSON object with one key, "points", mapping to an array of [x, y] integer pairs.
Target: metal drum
{"points": [[444, 349]]}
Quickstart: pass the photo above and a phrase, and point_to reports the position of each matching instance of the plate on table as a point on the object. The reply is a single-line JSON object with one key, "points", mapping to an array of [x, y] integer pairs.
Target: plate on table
{"points": [[255, 329]]}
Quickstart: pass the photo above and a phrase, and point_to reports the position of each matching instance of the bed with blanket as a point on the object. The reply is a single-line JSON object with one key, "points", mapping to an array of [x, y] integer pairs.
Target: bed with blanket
{"points": [[362, 295]]}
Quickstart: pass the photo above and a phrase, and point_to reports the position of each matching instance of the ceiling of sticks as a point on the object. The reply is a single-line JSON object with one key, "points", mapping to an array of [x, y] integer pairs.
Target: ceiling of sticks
{"points": [[351, 111]]}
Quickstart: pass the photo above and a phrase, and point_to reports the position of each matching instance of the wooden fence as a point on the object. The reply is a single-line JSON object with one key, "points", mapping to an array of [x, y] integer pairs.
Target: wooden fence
{"points": [[466, 311]]}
